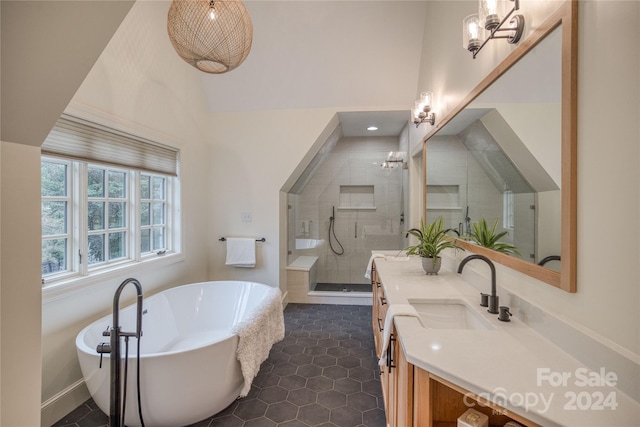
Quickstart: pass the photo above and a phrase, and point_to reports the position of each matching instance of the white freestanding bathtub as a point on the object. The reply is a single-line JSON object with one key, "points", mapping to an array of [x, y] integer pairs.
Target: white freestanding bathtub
{"points": [[189, 370]]}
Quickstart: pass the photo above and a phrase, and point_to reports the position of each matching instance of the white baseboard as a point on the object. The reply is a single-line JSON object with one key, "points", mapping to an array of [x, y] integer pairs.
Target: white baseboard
{"points": [[340, 298], [56, 407]]}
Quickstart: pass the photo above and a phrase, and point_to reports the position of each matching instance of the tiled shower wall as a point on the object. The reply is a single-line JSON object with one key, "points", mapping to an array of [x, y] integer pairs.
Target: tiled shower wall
{"points": [[353, 161], [455, 181]]}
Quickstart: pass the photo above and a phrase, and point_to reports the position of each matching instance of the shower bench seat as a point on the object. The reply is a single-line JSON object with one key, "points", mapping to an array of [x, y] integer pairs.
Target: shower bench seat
{"points": [[302, 277]]}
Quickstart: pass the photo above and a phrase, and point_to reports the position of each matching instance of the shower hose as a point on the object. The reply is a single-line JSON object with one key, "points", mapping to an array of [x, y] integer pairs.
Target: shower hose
{"points": [[332, 231], [126, 368]]}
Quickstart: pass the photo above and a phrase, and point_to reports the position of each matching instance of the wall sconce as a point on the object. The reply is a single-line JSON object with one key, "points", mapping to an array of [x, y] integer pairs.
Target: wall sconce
{"points": [[422, 110], [488, 18]]}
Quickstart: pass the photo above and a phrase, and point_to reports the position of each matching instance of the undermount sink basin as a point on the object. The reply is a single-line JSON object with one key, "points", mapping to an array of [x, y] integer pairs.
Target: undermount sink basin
{"points": [[449, 314]]}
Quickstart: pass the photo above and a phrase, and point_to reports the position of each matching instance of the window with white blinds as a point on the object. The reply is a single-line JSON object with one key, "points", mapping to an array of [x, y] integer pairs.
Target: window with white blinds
{"points": [[110, 200], [80, 139]]}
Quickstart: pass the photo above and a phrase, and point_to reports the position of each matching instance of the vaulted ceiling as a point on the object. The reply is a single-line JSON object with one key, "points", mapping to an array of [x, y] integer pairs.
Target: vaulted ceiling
{"points": [[48, 47], [341, 54]]}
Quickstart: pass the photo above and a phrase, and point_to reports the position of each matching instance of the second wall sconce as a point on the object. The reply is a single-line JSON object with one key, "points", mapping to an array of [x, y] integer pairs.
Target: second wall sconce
{"points": [[488, 19], [422, 110]]}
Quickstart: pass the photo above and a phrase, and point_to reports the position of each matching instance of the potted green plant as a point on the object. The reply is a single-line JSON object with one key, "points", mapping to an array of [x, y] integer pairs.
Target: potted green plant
{"points": [[484, 235], [432, 240]]}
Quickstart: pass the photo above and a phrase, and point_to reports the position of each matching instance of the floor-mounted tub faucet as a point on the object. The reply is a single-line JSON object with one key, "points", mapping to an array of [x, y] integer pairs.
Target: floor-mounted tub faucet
{"points": [[116, 412], [490, 301]]}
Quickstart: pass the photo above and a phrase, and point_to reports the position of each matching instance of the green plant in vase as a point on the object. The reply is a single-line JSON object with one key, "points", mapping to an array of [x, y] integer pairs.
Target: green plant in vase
{"points": [[432, 240], [484, 235]]}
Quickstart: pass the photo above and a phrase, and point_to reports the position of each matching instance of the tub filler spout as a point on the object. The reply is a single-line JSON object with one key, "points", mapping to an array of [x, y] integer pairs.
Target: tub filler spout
{"points": [[116, 408]]}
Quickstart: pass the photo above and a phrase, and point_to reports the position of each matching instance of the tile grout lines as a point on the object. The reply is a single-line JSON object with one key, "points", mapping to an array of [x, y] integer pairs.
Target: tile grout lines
{"points": [[323, 373]]}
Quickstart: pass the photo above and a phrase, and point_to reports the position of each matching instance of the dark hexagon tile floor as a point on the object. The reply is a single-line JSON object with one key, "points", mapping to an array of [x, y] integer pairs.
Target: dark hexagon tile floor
{"points": [[323, 373]]}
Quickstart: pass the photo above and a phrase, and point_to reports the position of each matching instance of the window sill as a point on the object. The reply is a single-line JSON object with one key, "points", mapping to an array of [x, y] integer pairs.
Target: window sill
{"points": [[76, 285]]}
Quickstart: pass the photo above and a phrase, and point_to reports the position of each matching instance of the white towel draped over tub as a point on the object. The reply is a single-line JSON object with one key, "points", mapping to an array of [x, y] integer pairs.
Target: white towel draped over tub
{"points": [[241, 252], [257, 334]]}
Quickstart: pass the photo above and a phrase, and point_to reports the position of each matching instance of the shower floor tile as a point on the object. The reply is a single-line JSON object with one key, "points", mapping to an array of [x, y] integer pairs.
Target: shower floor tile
{"points": [[322, 373]]}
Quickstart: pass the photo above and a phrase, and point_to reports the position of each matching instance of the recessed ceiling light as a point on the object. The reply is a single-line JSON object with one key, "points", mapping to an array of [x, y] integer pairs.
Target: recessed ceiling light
{"points": [[372, 128]]}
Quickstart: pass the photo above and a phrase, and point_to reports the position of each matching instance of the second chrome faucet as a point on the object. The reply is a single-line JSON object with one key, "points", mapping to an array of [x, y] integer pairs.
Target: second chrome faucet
{"points": [[490, 301]]}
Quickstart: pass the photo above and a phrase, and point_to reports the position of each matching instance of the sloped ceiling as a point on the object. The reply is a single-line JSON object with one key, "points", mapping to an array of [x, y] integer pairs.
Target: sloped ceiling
{"points": [[341, 54], [48, 47], [325, 54]]}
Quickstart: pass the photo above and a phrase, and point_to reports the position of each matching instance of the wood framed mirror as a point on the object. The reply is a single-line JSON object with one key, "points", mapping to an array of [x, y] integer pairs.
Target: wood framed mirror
{"points": [[559, 29]]}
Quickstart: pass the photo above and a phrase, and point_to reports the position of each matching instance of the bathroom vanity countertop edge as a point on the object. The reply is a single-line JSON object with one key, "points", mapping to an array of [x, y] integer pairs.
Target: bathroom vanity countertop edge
{"points": [[511, 365]]}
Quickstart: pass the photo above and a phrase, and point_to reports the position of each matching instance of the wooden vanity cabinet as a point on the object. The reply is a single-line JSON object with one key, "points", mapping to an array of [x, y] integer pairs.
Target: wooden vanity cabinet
{"points": [[379, 309], [439, 403], [396, 375], [414, 397]]}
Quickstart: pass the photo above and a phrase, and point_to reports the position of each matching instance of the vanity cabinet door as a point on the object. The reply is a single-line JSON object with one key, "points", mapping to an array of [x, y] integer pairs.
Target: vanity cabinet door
{"points": [[375, 309], [421, 398], [403, 388], [389, 381], [379, 310], [397, 386]]}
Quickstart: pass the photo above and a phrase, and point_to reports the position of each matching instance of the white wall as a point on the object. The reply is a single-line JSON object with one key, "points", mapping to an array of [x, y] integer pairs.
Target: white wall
{"points": [[49, 48], [251, 159], [150, 90], [608, 68], [20, 292]]}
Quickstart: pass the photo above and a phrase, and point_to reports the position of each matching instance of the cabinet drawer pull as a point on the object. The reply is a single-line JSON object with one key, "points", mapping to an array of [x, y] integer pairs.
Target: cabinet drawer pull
{"points": [[380, 328], [390, 361], [377, 284], [383, 300]]}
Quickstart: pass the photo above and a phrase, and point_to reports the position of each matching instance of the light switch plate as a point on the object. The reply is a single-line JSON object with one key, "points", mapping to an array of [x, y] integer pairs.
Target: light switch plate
{"points": [[246, 217]]}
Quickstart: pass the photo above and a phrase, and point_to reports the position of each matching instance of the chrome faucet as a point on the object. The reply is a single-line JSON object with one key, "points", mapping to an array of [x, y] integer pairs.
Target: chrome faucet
{"points": [[490, 301]]}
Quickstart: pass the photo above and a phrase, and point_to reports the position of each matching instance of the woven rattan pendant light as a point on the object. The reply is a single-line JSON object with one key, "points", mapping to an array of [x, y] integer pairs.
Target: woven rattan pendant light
{"points": [[213, 36]]}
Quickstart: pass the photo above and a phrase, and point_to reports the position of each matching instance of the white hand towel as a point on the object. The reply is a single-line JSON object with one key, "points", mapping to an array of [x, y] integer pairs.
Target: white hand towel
{"points": [[241, 252], [393, 311], [367, 273]]}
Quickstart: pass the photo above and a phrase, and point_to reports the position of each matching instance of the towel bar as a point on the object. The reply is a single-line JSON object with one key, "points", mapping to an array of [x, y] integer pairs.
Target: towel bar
{"points": [[224, 239]]}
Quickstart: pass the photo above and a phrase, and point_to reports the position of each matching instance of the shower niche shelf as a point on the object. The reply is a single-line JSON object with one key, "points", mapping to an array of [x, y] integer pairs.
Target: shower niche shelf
{"points": [[443, 197], [357, 197]]}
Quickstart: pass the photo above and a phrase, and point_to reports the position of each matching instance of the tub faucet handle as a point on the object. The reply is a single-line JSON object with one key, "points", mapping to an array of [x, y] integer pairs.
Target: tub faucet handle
{"points": [[107, 332], [103, 347]]}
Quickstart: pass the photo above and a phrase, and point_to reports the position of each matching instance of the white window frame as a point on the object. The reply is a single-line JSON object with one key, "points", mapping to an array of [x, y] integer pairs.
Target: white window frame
{"points": [[508, 209], [79, 273], [168, 201], [69, 199]]}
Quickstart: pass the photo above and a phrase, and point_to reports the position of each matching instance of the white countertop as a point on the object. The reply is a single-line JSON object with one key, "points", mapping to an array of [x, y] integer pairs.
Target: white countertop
{"points": [[511, 365]]}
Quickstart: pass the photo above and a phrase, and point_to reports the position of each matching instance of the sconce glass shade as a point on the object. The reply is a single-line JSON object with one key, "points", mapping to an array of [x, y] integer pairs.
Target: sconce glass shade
{"points": [[421, 112], [472, 33], [417, 114], [213, 36], [426, 101], [489, 14]]}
